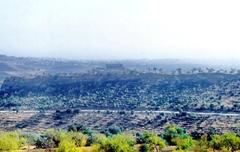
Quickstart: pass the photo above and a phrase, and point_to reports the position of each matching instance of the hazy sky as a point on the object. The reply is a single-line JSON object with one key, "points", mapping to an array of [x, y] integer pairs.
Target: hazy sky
{"points": [[117, 29]]}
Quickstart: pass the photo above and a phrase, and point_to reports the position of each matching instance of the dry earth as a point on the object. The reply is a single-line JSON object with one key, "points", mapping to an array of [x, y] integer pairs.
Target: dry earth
{"points": [[99, 120]]}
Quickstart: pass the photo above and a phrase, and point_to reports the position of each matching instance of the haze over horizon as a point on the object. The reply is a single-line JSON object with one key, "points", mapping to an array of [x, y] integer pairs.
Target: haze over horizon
{"points": [[135, 29]]}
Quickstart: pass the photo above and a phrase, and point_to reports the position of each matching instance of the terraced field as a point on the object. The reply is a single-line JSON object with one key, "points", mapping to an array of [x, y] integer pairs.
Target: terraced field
{"points": [[128, 120]]}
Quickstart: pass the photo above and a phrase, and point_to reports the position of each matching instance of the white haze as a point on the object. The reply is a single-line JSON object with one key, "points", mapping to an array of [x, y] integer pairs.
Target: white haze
{"points": [[120, 29]]}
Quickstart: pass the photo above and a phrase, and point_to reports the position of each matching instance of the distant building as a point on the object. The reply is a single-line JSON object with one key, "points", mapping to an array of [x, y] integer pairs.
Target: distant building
{"points": [[114, 66]]}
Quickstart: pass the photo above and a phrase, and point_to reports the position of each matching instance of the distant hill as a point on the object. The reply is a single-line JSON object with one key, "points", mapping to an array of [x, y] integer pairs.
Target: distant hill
{"points": [[45, 83], [28, 66], [23, 66], [5, 67]]}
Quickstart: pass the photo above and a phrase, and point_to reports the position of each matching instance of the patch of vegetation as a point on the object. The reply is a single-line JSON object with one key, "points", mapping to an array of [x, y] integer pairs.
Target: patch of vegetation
{"points": [[10, 141], [172, 136], [151, 142], [116, 143], [182, 92]]}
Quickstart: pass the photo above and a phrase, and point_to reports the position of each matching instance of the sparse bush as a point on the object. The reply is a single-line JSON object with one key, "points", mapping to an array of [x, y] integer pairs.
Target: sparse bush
{"points": [[50, 139], [31, 138], [76, 111], [68, 111], [79, 128], [45, 143], [113, 130]]}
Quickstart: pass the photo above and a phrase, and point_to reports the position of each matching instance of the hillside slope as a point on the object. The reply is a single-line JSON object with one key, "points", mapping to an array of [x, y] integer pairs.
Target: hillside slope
{"points": [[204, 91]]}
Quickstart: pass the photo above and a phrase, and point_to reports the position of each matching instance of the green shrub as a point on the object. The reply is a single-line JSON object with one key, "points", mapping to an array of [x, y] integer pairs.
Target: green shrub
{"points": [[67, 145], [202, 145], [113, 130], [116, 143], [10, 141], [79, 138], [171, 132], [71, 141], [228, 141], [50, 139], [183, 142], [152, 142], [79, 128], [44, 142], [216, 142]]}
